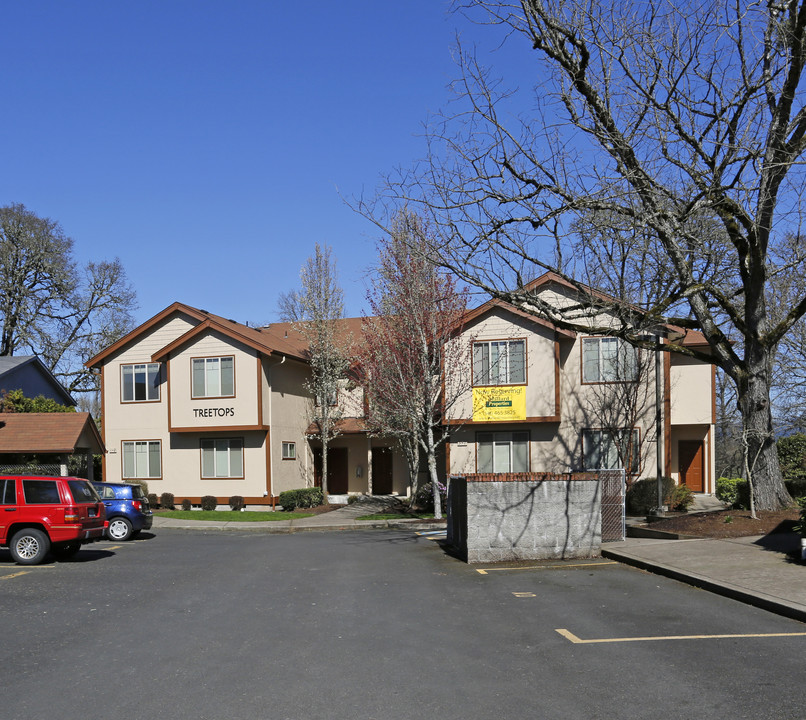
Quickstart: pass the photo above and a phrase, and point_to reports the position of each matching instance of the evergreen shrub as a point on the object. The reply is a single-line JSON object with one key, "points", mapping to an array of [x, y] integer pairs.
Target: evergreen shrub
{"points": [[237, 503], [209, 502], [301, 498], [167, 501]]}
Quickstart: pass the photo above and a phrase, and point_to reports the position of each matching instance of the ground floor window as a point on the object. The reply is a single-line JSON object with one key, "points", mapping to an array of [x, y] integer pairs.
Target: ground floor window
{"points": [[502, 452], [289, 451], [611, 450], [222, 458], [142, 459]]}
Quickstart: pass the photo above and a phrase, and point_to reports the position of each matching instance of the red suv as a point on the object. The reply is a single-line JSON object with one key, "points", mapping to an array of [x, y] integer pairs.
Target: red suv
{"points": [[42, 514]]}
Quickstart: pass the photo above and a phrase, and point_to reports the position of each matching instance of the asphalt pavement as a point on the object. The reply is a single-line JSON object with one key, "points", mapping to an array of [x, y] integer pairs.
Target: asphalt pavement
{"points": [[763, 571]]}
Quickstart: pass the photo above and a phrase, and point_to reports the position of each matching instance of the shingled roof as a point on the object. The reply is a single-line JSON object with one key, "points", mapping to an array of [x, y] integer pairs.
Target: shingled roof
{"points": [[58, 433]]}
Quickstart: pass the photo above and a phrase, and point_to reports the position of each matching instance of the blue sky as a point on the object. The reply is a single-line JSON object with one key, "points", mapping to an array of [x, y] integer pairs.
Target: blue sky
{"points": [[206, 144]]}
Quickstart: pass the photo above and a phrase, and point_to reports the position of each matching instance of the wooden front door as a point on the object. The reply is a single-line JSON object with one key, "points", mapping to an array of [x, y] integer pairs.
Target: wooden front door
{"points": [[691, 464], [336, 470], [381, 471]]}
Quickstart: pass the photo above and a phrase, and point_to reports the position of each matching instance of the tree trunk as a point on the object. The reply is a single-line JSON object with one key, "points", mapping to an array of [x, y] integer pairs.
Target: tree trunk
{"points": [[759, 437], [431, 457]]}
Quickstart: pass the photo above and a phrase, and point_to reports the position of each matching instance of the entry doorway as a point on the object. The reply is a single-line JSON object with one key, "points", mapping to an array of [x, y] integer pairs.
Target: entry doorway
{"points": [[691, 464], [381, 471], [337, 477]]}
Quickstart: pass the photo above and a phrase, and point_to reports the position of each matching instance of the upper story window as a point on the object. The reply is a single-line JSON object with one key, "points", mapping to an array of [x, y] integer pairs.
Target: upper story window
{"points": [[213, 377], [499, 362], [608, 359], [140, 382]]}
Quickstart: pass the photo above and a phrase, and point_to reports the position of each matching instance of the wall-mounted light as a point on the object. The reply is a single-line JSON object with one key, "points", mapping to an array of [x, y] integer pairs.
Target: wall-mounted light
{"points": [[359, 470]]}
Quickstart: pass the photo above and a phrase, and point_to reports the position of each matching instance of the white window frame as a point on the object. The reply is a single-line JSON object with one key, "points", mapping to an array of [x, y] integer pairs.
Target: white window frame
{"points": [[493, 362], [141, 459], [289, 450], [215, 380], [600, 450], [150, 373], [222, 458], [607, 360], [503, 451]]}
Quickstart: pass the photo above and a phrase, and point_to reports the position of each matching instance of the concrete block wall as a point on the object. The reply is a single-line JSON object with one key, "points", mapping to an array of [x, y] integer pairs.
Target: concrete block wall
{"points": [[537, 516]]}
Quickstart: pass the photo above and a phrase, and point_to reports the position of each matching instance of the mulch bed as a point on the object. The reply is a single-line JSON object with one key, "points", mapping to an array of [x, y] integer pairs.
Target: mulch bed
{"points": [[729, 523]]}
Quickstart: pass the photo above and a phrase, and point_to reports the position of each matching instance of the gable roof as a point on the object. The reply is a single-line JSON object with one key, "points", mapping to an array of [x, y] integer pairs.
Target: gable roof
{"points": [[496, 304], [49, 433], [17, 364]]}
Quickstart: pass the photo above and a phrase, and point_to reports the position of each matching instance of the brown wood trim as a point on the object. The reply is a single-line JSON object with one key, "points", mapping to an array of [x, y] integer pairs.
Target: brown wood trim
{"points": [[268, 464], [218, 428], [557, 399], [147, 325], [103, 423], [168, 387], [543, 419], [259, 389], [448, 458], [713, 394], [708, 485], [666, 360]]}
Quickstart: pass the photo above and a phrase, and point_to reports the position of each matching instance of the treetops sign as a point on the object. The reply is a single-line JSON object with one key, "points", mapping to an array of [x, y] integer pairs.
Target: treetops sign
{"points": [[498, 403]]}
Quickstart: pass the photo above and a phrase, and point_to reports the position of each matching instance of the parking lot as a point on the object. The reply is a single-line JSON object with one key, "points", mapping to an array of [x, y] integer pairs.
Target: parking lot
{"points": [[377, 624]]}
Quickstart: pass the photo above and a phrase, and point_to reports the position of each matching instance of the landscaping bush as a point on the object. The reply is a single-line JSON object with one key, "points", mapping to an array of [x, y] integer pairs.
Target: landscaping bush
{"points": [[167, 501], [153, 500], [237, 503], [733, 491], [209, 502], [424, 497], [143, 484], [187, 505], [680, 499], [792, 456], [301, 498], [801, 526], [642, 495], [796, 488]]}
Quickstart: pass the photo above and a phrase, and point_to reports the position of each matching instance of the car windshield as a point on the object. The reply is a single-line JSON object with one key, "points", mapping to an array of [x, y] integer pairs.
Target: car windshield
{"points": [[83, 492]]}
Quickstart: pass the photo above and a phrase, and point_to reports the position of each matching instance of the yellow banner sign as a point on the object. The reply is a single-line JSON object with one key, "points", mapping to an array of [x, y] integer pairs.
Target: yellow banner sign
{"points": [[491, 404]]}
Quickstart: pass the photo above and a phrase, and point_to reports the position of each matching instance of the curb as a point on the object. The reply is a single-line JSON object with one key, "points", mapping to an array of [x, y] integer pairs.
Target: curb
{"points": [[702, 582]]}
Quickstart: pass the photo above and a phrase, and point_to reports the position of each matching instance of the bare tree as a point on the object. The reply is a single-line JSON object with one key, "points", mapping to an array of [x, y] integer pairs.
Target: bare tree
{"points": [[674, 119], [289, 306], [321, 301], [407, 354], [52, 309]]}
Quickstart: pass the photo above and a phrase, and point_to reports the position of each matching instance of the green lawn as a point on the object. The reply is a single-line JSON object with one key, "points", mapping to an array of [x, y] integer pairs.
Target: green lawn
{"points": [[231, 515]]}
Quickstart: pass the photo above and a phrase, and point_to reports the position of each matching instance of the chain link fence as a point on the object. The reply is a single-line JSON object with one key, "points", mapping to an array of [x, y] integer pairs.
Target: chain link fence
{"points": [[614, 487]]}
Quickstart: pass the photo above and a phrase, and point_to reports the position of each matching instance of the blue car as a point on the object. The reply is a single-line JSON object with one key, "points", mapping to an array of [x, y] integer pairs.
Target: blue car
{"points": [[127, 509]]}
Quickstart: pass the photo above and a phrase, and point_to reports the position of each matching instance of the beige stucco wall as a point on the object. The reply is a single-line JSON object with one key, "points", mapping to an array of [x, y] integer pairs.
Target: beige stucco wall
{"points": [[137, 421], [691, 391], [240, 410]]}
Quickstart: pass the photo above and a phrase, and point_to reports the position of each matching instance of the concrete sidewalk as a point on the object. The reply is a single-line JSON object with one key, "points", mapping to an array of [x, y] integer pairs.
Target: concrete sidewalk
{"points": [[764, 571]]}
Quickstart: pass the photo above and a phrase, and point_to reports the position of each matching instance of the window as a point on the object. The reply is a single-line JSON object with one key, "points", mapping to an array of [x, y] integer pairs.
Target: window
{"points": [[140, 383], [41, 492], [608, 359], [142, 459], [8, 492], [289, 451], [332, 395], [222, 458], [604, 450], [499, 362], [213, 377], [503, 452]]}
